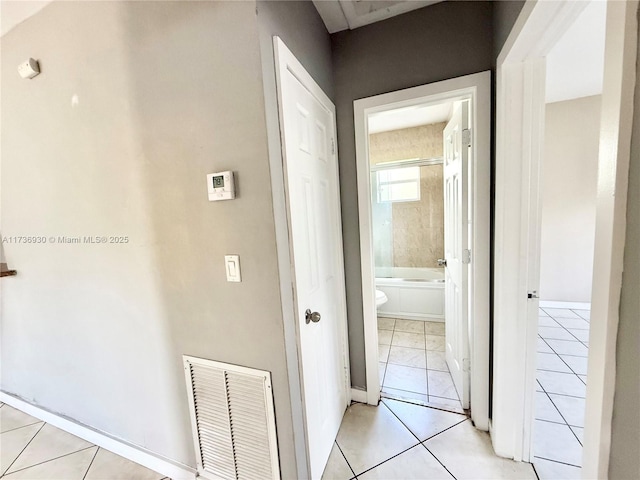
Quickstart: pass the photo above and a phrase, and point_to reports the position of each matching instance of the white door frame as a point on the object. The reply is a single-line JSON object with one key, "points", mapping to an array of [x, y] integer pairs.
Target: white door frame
{"points": [[285, 60], [477, 88], [519, 139]]}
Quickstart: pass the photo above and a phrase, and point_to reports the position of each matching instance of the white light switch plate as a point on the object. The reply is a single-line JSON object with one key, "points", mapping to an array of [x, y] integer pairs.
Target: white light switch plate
{"points": [[232, 267]]}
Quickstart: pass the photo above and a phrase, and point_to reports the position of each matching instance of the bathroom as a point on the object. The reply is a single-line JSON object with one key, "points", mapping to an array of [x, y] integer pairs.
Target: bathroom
{"points": [[408, 217]]}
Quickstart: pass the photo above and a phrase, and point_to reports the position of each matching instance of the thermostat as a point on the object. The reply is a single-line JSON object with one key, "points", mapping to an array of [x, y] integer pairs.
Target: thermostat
{"points": [[220, 186]]}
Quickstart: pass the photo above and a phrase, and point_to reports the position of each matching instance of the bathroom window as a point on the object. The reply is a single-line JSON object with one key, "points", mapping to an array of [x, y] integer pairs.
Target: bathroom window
{"points": [[398, 184]]}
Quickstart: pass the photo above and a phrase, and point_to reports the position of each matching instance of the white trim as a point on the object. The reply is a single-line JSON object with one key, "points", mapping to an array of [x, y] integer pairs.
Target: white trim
{"points": [[285, 60], [358, 395], [519, 129], [412, 316], [570, 305], [118, 446], [476, 87]]}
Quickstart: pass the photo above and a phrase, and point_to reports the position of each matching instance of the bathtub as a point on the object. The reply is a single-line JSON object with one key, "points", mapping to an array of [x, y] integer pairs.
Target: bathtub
{"points": [[413, 293]]}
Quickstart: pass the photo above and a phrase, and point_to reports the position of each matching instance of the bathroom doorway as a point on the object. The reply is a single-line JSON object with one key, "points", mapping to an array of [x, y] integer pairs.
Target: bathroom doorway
{"points": [[423, 182], [406, 156]]}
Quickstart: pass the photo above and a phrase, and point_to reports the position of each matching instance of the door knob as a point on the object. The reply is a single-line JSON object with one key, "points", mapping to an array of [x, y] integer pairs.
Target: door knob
{"points": [[442, 262], [310, 316]]}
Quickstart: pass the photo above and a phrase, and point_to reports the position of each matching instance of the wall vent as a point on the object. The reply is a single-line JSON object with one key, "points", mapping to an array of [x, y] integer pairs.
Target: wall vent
{"points": [[233, 420]]}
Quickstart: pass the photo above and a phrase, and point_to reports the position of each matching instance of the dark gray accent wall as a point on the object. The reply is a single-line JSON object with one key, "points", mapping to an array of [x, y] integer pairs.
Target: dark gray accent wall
{"points": [[624, 463], [505, 14], [442, 41]]}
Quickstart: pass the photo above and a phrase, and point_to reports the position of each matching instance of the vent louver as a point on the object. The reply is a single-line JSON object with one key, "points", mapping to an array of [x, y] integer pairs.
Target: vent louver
{"points": [[233, 420]]}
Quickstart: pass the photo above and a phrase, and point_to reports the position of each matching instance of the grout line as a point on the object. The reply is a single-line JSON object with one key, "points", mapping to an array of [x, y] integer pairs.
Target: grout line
{"points": [[390, 458], [18, 428], [561, 415], [25, 447], [438, 460], [345, 458], [420, 403], [535, 471], [91, 463], [557, 461], [51, 459]]}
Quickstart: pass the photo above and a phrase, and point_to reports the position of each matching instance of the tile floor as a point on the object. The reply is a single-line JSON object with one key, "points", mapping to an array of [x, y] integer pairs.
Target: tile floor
{"points": [[563, 346], [32, 449], [401, 440], [412, 363]]}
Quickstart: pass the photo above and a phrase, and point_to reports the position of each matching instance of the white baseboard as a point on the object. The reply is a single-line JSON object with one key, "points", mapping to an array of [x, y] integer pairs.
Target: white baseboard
{"points": [[358, 395], [574, 305], [171, 469]]}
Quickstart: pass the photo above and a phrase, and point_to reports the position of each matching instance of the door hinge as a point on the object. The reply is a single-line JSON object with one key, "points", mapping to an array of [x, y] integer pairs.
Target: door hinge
{"points": [[466, 137], [466, 365], [333, 147], [466, 256]]}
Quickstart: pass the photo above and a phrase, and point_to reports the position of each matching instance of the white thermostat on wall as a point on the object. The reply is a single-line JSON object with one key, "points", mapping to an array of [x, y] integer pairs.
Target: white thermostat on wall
{"points": [[220, 186]]}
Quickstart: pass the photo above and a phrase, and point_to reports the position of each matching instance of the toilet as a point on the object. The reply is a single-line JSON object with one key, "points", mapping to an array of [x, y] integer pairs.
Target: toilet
{"points": [[381, 298]]}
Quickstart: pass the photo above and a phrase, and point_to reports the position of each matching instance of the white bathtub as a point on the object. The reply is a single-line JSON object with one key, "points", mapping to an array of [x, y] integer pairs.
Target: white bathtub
{"points": [[413, 293]]}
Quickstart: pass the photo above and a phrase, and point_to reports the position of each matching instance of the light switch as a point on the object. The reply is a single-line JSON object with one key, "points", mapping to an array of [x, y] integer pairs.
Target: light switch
{"points": [[232, 263]]}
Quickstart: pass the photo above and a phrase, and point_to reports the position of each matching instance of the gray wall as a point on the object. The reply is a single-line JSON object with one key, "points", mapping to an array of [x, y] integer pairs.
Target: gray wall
{"points": [[625, 440], [137, 102], [505, 14], [442, 41]]}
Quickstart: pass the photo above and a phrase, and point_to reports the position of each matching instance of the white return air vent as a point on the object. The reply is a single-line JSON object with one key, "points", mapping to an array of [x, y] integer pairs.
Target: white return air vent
{"points": [[233, 421]]}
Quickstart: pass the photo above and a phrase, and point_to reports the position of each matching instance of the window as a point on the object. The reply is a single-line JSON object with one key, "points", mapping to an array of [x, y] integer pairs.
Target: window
{"points": [[398, 184]]}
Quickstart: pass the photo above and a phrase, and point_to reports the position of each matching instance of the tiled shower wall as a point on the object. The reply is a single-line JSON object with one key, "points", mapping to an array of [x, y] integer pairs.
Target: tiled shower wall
{"points": [[418, 227]]}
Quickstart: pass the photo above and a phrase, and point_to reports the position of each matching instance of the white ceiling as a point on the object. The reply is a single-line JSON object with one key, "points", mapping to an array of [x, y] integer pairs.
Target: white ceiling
{"points": [[409, 117], [349, 14], [575, 65], [17, 11]]}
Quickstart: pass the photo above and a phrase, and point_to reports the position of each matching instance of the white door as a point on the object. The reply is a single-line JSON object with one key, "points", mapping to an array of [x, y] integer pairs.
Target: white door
{"points": [[456, 158], [315, 229]]}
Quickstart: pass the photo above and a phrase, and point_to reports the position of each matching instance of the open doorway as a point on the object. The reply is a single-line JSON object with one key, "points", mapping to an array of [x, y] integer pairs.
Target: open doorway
{"points": [[406, 156], [568, 194], [423, 188]]}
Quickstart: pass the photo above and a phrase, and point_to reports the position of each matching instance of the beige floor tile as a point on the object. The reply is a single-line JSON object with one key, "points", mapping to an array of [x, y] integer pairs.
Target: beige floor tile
{"points": [[11, 418], [406, 378], [579, 431], [543, 347], [571, 408], [381, 370], [370, 435], [441, 384], [424, 422], [410, 357], [437, 361], [386, 323], [435, 342], [561, 383], [109, 466], [412, 326], [407, 339], [560, 313], [577, 364], [553, 441], [13, 442], [556, 471], [414, 464], [557, 333], [434, 328], [545, 410], [421, 398], [68, 467], [582, 335], [49, 443], [551, 362], [446, 404], [468, 455], [384, 337], [337, 467], [383, 353]]}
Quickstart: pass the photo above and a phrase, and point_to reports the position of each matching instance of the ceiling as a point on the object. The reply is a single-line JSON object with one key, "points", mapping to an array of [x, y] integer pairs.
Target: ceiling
{"points": [[17, 11], [339, 15], [575, 65], [409, 117]]}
